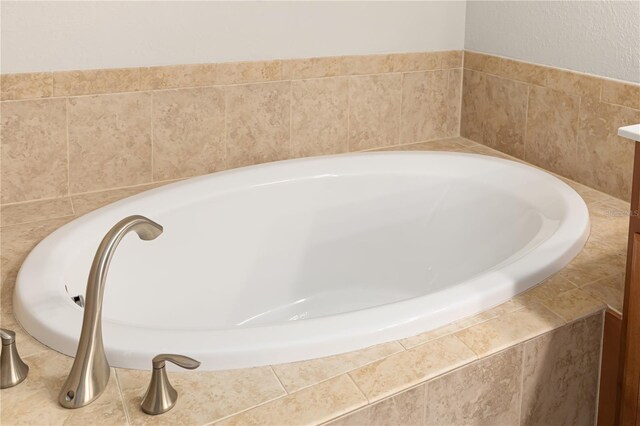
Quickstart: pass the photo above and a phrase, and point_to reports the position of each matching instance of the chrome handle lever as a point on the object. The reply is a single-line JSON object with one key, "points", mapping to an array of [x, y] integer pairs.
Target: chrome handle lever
{"points": [[12, 369], [161, 396]]}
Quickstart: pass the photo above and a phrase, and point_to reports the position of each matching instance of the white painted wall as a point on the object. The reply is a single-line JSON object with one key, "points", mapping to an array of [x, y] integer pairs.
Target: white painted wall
{"points": [[597, 37], [51, 36]]}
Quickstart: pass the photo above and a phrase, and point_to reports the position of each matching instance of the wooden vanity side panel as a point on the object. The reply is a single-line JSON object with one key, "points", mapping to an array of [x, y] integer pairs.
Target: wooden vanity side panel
{"points": [[609, 384]]}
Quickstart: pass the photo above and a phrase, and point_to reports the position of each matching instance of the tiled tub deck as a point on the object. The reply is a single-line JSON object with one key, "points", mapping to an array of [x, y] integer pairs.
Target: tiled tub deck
{"points": [[531, 360]]}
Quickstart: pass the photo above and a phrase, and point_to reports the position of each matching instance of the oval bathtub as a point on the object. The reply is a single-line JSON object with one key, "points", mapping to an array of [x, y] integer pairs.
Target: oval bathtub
{"points": [[306, 258]]}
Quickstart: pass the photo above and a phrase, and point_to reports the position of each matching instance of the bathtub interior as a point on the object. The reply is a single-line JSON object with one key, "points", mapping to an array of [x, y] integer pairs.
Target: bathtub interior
{"points": [[295, 249]]}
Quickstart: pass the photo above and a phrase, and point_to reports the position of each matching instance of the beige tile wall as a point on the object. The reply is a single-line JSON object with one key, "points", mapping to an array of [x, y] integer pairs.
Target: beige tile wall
{"points": [[563, 121], [549, 380], [76, 132]]}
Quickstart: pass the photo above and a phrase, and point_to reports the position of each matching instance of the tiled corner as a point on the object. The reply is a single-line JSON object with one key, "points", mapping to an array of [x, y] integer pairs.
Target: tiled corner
{"points": [[34, 150], [109, 141], [374, 111], [504, 331], [319, 116], [605, 160], [486, 392], [609, 290], [560, 379], [258, 123], [188, 132], [505, 114], [574, 304], [473, 105], [314, 405], [552, 125]]}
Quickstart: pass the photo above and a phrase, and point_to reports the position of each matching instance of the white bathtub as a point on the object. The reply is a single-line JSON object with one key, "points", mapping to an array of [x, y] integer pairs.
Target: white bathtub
{"points": [[306, 258]]}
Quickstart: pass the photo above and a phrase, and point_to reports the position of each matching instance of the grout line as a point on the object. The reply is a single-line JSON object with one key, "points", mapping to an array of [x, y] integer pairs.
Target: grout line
{"points": [[273, 371], [526, 124], [349, 114], [358, 388], [153, 172], [522, 365], [290, 120], [66, 113], [122, 399]]}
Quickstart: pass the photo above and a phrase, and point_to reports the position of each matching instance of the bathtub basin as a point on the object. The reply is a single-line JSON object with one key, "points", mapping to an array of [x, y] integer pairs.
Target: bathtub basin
{"points": [[306, 258]]}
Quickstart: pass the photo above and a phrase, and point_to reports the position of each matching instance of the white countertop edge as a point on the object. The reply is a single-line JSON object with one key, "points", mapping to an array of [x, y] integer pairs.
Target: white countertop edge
{"points": [[630, 132]]}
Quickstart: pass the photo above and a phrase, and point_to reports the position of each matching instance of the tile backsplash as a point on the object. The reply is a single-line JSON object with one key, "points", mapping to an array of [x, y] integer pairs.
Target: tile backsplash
{"points": [[75, 132], [562, 121]]}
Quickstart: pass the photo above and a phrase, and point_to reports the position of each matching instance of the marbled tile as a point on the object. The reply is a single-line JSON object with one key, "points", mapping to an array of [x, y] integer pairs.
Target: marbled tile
{"points": [[589, 195], [552, 122], [610, 224], [17, 242], [551, 288], [26, 344], [374, 111], [425, 106], [561, 375], [109, 141], [419, 339], [298, 375], [573, 83], [35, 401], [405, 369], [406, 408], [522, 71], [605, 160], [33, 211], [507, 68], [509, 329], [188, 132], [502, 309], [366, 64], [573, 304], [295, 69], [486, 392], [248, 72], [314, 405], [473, 105], [505, 114], [258, 123], [609, 290], [621, 93], [451, 59], [595, 261], [485, 150], [26, 86], [421, 61], [177, 76], [91, 82], [450, 144], [87, 202], [34, 150], [203, 396], [319, 116]]}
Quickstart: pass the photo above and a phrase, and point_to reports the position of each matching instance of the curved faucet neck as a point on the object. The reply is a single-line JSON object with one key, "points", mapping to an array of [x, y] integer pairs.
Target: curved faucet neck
{"points": [[90, 371]]}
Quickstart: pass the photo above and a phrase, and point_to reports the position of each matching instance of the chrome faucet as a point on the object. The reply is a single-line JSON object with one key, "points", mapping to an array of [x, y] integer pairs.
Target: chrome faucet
{"points": [[90, 372]]}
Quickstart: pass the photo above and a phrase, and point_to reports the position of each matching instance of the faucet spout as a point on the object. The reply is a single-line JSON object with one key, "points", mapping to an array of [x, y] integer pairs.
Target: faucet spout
{"points": [[90, 371]]}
